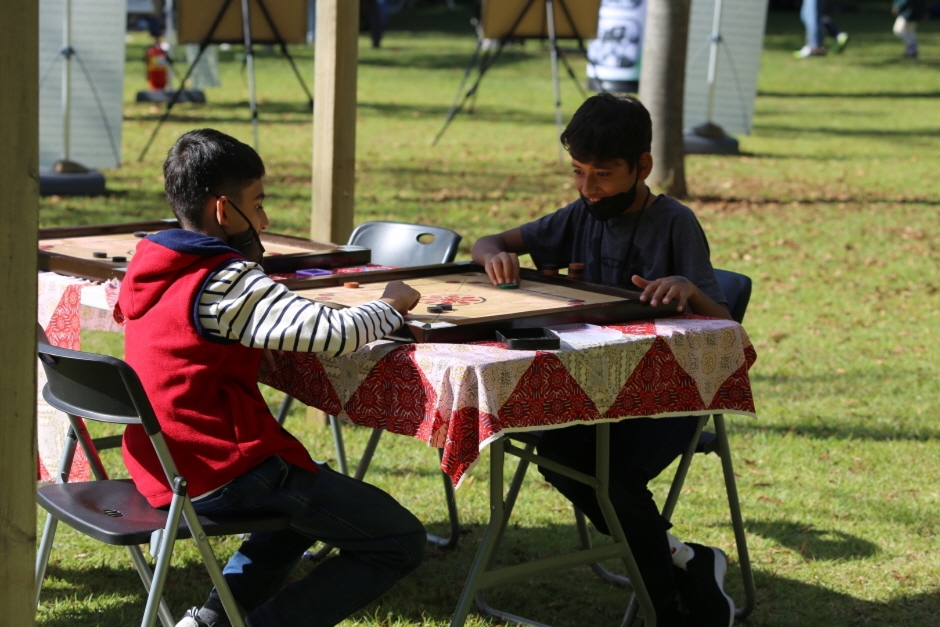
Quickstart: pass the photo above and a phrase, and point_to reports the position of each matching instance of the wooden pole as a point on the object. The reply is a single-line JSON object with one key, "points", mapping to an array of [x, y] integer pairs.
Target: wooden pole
{"points": [[662, 85], [336, 63], [19, 214], [334, 120]]}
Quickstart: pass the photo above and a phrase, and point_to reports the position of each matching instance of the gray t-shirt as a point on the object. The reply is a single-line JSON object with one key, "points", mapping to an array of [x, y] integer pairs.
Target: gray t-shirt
{"points": [[664, 239]]}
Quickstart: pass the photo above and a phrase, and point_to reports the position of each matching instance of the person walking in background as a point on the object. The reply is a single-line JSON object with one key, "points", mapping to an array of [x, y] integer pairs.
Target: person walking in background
{"points": [[840, 37], [908, 13], [818, 23]]}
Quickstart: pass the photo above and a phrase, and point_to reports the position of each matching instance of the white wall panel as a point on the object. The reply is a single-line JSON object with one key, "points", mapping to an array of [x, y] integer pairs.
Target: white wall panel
{"points": [[96, 82], [742, 33]]}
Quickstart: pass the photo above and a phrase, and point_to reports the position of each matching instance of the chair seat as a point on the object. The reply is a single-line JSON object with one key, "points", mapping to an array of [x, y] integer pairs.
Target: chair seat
{"points": [[115, 513]]}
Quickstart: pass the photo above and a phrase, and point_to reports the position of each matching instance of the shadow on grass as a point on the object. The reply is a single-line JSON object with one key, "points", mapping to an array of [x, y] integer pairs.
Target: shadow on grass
{"points": [[94, 214], [813, 543], [264, 117], [861, 200], [448, 61], [852, 431], [795, 131], [871, 94], [487, 113], [572, 598]]}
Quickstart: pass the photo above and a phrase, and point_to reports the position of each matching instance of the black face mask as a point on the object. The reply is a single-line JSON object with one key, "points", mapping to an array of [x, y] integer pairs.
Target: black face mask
{"points": [[247, 242], [612, 206]]}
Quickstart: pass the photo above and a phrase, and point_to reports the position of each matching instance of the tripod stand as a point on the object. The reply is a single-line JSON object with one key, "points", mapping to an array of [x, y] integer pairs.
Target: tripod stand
{"points": [[249, 61], [489, 58]]}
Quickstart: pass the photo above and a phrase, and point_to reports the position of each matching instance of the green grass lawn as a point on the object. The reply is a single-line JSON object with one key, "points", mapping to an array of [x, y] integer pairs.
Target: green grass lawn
{"points": [[832, 209]]}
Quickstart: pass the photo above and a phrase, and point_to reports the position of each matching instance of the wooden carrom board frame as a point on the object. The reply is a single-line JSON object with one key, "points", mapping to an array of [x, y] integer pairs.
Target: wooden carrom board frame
{"points": [[320, 255], [626, 307]]}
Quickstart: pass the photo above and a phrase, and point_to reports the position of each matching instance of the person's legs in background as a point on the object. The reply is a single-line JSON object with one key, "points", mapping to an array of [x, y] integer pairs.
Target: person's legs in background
{"points": [[810, 16], [840, 37], [907, 30]]}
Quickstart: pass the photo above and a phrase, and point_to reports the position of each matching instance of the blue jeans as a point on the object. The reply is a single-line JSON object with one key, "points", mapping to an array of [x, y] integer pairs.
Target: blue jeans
{"points": [[810, 15], [379, 542]]}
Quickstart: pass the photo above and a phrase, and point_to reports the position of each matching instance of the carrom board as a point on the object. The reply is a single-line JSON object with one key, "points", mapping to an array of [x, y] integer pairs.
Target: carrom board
{"points": [[481, 308], [71, 250]]}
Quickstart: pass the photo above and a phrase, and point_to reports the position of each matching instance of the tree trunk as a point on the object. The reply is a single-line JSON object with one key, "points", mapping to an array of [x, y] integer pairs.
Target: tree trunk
{"points": [[662, 82]]}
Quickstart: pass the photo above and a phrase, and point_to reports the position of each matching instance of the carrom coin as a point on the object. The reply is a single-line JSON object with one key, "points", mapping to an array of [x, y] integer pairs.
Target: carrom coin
{"points": [[140, 233], [351, 285], [435, 309], [119, 258], [99, 255]]}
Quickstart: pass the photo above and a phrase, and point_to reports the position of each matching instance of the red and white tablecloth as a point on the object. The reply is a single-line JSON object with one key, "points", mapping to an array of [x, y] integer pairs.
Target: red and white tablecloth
{"points": [[460, 397]]}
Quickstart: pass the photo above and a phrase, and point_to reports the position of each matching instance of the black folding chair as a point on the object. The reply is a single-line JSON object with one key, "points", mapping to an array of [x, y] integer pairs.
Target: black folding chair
{"points": [[112, 511], [401, 245], [737, 289]]}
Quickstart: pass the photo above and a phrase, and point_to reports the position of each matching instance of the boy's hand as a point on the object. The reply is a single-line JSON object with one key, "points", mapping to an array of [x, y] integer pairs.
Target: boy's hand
{"points": [[503, 268], [665, 290], [401, 297]]}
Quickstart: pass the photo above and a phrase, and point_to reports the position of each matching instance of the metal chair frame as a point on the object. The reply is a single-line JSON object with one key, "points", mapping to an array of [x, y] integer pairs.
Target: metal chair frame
{"points": [[96, 387], [737, 288]]}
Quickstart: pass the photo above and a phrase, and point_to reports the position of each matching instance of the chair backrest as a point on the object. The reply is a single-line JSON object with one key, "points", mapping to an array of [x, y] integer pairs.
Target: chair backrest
{"points": [[737, 289], [96, 387], [401, 244]]}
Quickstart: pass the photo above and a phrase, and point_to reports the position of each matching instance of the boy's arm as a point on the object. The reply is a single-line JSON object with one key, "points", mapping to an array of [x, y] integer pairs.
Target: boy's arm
{"points": [[671, 288], [499, 254], [241, 303]]}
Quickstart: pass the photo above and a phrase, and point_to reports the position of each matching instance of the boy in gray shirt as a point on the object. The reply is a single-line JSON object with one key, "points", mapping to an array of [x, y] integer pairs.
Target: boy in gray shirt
{"points": [[627, 237]]}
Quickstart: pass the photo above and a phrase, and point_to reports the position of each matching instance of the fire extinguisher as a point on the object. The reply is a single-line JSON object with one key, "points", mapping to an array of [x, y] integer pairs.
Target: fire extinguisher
{"points": [[156, 67]]}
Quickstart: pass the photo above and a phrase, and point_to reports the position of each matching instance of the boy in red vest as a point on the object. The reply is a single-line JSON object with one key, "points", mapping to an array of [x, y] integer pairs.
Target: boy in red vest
{"points": [[200, 313], [627, 237]]}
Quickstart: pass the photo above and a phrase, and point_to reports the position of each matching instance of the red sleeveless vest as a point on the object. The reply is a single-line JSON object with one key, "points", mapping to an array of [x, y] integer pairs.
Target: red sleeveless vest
{"points": [[203, 391]]}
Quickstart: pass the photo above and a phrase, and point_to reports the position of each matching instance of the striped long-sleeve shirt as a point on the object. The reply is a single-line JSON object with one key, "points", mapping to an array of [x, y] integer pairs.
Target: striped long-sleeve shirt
{"points": [[240, 302]]}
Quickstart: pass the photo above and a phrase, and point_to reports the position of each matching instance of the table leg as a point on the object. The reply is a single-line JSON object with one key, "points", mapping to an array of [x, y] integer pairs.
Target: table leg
{"points": [[602, 472], [493, 531], [737, 521], [481, 576]]}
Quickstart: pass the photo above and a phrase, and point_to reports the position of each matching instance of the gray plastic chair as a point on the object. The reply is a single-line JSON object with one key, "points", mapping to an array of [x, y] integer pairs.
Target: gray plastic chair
{"points": [[401, 245], [112, 511], [737, 289]]}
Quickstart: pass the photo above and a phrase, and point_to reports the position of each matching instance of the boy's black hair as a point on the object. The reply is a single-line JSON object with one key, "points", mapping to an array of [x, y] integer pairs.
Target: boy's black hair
{"points": [[607, 127], [204, 162]]}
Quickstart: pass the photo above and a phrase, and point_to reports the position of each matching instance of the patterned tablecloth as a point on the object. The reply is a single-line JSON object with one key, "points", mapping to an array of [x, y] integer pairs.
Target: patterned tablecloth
{"points": [[460, 397]]}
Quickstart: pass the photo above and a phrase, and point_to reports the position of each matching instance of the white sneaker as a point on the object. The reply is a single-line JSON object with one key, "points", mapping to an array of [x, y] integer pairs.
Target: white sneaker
{"points": [[189, 619], [808, 51]]}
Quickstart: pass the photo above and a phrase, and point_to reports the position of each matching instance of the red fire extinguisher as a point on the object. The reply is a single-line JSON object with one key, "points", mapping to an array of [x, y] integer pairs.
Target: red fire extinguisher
{"points": [[156, 67]]}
